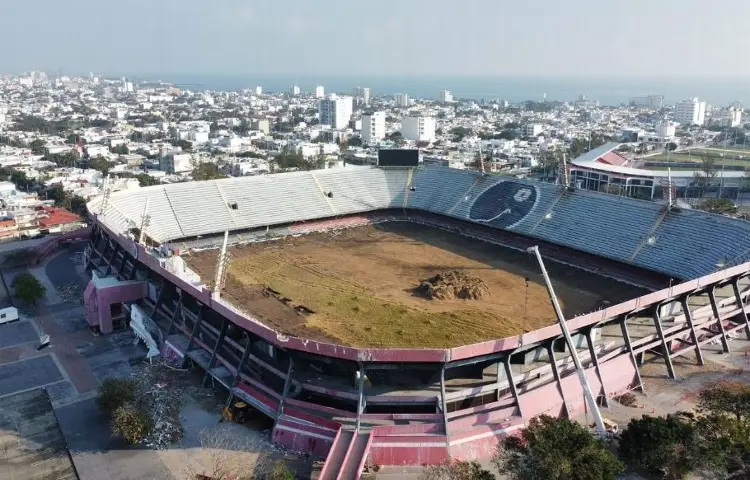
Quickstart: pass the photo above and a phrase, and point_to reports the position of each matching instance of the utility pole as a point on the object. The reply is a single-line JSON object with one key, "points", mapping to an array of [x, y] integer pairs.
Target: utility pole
{"points": [[588, 396]]}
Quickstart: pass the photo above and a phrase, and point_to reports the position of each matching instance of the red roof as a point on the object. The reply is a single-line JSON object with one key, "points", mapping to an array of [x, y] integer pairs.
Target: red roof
{"points": [[57, 216], [612, 158]]}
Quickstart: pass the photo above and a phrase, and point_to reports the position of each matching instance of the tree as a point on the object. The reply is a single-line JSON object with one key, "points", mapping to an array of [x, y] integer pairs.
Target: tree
{"points": [[482, 164], [666, 447], [722, 206], [146, 180], [131, 423], [226, 456], [28, 288], [725, 428], [101, 164], [354, 142], [121, 149], [671, 147], [727, 397], [184, 145], [206, 171], [708, 171], [555, 449], [456, 470], [459, 133], [396, 137], [38, 147], [114, 393], [74, 138], [78, 205]]}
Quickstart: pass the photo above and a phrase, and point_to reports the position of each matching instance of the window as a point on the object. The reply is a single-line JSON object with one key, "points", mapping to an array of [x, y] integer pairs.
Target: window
{"points": [[2, 315]]}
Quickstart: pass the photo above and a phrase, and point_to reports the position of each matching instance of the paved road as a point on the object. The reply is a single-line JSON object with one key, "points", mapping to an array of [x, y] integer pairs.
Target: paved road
{"points": [[32, 445]]}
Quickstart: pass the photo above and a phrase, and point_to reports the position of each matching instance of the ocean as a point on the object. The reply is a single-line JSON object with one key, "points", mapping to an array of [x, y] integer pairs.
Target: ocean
{"points": [[608, 91]]}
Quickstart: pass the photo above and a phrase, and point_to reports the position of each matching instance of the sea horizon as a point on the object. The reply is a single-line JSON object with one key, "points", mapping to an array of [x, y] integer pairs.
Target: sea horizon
{"points": [[606, 90]]}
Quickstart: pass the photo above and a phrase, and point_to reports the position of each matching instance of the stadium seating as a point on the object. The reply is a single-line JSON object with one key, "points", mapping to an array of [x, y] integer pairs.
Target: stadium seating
{"points": [[605, 225], [439, 191], [683, 244], [275, 199], [693, 243]]}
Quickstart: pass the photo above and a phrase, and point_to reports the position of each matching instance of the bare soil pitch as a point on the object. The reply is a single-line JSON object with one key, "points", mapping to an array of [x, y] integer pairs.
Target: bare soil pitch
{"points": [[358, 287]]}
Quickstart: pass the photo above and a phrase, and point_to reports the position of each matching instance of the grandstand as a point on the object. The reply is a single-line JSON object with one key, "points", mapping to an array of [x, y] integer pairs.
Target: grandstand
{"points": [[412, 404]]}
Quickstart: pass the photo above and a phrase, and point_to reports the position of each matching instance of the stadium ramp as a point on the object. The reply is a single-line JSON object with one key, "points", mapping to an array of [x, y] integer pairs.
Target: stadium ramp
{"points": [[348, 455]]}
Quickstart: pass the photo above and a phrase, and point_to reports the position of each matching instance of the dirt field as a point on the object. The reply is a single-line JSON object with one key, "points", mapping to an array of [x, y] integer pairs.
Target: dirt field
{"points": [[357, 287]]}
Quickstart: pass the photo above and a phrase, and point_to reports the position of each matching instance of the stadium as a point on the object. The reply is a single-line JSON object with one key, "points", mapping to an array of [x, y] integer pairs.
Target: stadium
{"points": [[303, 294]]}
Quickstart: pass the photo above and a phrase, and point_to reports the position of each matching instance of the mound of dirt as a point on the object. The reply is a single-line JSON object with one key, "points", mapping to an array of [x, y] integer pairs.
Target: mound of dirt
{"points": [[453, 284]]}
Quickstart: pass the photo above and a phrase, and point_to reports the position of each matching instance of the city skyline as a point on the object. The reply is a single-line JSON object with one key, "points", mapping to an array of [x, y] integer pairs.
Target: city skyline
{"points": [[415, 39]]}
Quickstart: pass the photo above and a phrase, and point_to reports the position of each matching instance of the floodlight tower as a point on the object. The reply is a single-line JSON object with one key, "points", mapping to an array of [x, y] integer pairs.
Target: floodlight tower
{"points": [[589, 397], [222, 267]]}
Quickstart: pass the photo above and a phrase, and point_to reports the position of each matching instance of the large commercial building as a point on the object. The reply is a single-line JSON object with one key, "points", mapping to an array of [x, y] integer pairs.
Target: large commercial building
{"points": [[446, 96], [175, 163], [401, 100], [690, 112], [336, 111], [320, 91], [373, 128], [418, 129], [362, 94], [653, 101]]}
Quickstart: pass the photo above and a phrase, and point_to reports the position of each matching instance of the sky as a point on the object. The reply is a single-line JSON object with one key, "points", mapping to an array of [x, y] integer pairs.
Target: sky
{"points": [[419, 38]]}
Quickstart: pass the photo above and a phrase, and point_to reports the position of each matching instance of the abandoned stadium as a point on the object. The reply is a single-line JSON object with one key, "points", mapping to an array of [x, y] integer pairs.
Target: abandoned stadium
{"points": [[317, 323]]}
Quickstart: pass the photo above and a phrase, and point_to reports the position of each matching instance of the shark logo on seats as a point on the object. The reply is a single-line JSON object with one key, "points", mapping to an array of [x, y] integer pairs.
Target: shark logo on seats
{"points": [[505, 204]]}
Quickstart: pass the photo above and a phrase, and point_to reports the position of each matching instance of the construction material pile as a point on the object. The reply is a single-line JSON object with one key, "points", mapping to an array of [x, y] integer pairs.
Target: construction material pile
{"points": [[161, 389], [453, 284]]}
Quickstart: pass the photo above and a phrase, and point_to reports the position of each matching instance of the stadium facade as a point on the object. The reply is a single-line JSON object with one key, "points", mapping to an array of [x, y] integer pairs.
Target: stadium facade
{"points": [[416, 406]]}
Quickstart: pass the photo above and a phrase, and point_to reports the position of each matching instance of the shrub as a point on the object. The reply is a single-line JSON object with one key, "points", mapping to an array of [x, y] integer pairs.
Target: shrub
{"points": [[556, 449], [456, 470], [131, 423], [665, 447], [114, 393], [28, 288], [280, 471]]}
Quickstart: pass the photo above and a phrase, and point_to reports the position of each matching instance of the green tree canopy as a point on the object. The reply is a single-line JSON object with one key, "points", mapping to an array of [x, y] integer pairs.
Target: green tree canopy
{"points": [[28, 288], [556, 449], [665, 447], [456, 470], [207, 171], [101, 164], [722, 206], [38, 146]]}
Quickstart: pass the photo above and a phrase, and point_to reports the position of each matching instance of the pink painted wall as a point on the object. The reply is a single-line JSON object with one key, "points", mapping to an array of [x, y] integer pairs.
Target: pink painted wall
{"points": [[99, 300]]}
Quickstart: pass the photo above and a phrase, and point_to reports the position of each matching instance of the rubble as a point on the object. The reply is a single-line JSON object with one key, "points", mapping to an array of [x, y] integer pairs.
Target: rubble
{"points": [[71, 293], [453, 284], [162, 389]]}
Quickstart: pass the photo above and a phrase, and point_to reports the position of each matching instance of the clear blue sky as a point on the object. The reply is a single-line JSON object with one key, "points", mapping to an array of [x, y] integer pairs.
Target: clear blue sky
{"points": [[643, 38]]}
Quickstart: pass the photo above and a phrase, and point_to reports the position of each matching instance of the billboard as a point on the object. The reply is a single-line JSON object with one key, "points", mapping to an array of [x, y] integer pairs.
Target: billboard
{"points": [[398, 157]]}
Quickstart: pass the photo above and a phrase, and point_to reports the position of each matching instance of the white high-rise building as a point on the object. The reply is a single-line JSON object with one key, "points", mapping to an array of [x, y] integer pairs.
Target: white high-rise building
{"points": [[418, 129], [335, 111], [259, 90], [363, 94], [401, 100], [735, 116], [320, 92], [373, 128], [294, 90], [666, 130], [446, 96], [690, 112]]}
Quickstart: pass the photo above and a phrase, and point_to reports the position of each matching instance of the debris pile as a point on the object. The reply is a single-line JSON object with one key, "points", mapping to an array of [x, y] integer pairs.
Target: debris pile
{"points": [[161, 389], [627, 399], [453, 284], [71, 293]]}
